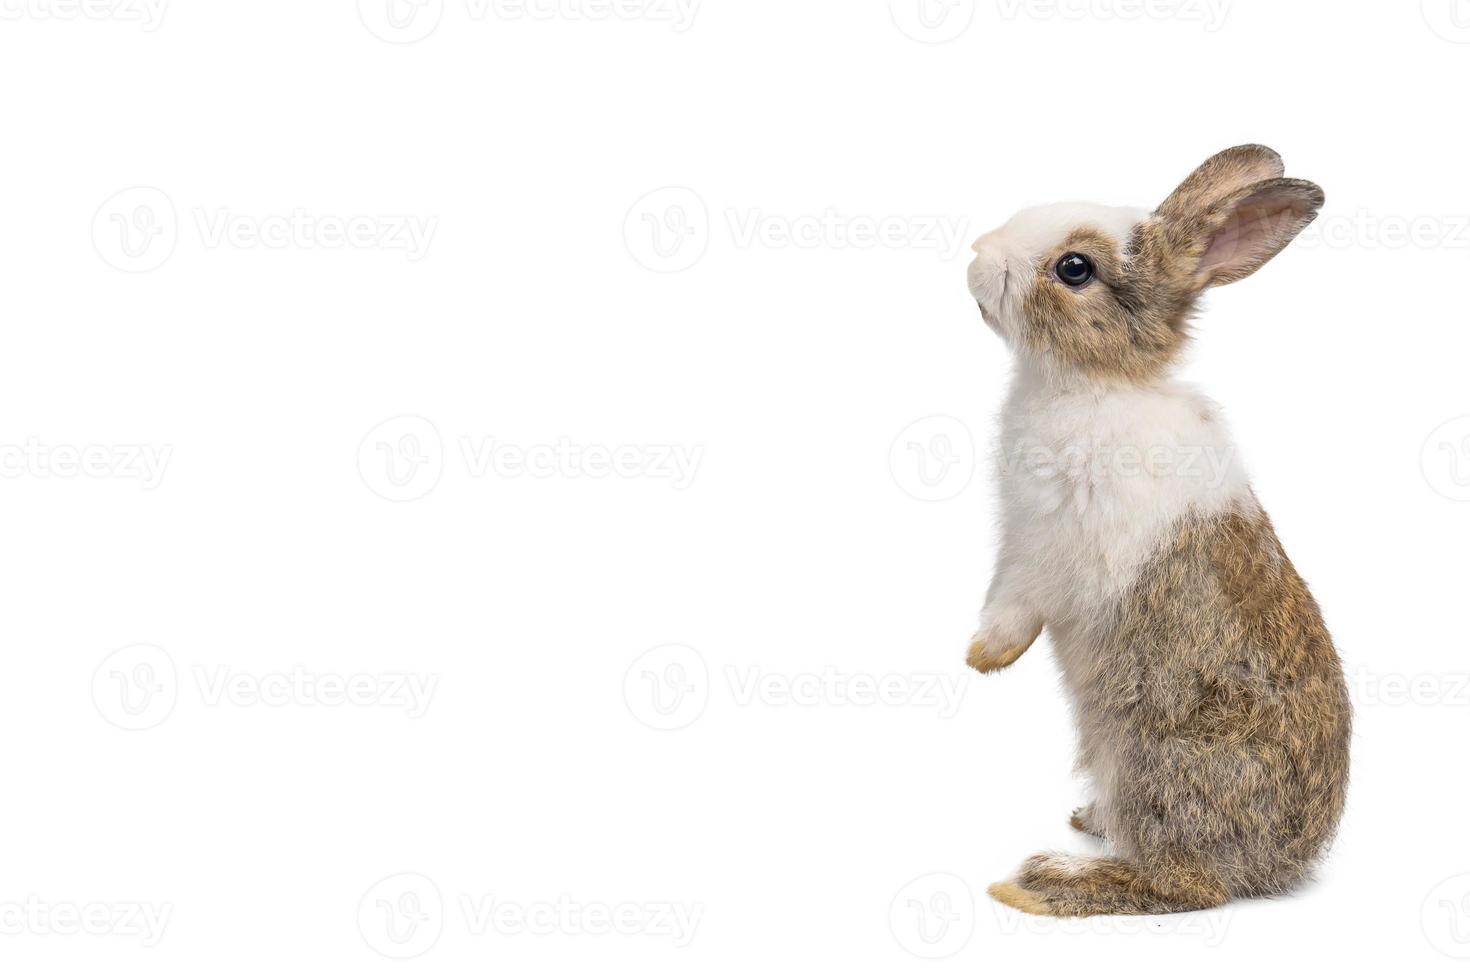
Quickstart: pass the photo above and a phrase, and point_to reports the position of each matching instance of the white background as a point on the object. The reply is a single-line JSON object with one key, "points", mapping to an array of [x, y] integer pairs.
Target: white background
{"points": [[262, 827]]}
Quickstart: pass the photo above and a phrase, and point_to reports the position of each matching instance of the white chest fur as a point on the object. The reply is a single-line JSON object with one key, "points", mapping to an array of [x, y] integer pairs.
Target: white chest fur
{"points": [[1094, 477]]}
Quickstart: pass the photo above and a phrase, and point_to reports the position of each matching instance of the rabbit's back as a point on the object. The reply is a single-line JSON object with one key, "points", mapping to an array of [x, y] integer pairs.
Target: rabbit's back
{"points": [[1213, 708]]}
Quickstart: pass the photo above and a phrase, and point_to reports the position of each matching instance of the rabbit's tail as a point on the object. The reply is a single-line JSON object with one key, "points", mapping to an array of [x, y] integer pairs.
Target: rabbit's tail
{"points": [[1062, 885]]}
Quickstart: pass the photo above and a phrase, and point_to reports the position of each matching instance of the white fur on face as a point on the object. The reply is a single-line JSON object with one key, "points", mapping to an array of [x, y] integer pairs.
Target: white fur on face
{"points": [[1006, 259]]}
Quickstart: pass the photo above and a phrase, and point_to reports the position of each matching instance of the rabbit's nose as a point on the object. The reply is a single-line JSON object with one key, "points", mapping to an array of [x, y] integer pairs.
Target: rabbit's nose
{"points": [[988, 250], [988, 256], [988, 271]]}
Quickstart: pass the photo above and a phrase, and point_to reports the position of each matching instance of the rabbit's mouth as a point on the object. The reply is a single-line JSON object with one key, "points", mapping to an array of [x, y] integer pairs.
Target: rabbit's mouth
{"points": [[988, 317], [989, 286], [990, 313]]}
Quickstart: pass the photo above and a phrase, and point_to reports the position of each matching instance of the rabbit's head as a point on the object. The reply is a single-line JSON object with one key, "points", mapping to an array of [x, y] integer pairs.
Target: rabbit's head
{"points": [[1108, 292]]}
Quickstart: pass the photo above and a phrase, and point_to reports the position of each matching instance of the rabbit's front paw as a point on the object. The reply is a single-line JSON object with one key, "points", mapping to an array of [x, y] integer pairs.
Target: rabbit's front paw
{"points": [[1001, 642], [1084, 818], [986, 657]]}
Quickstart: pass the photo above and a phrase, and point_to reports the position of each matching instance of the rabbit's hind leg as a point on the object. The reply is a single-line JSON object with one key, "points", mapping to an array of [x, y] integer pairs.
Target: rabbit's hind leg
{"points": [[1063, 885]]}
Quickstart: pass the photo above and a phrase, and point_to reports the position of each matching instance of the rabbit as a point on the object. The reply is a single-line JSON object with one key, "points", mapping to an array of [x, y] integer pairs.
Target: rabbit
{"points": [[1212, 713]]}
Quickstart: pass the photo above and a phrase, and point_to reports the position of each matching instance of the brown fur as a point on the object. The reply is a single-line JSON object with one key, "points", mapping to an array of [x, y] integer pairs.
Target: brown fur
{"points": [[1017, 897], [1218, 708], [1117, 326], [1228, 218], [1053, 884], [1224, 173]]}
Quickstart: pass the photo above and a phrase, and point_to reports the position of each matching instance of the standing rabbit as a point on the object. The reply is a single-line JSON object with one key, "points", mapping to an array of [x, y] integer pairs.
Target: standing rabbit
{"points": [[1212, 714]]}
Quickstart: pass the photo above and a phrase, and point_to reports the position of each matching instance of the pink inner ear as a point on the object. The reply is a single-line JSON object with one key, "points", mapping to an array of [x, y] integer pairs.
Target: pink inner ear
{"points": [[1222, 248], [1258, 228]]}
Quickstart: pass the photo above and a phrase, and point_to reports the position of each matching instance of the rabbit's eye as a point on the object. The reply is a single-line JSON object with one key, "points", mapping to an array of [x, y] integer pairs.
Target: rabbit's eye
{"points": [[1074, 269]]}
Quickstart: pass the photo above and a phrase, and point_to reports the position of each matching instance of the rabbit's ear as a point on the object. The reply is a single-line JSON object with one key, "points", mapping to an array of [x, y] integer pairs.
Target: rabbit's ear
{"points": [[1240, 233], [1222, 174]]}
